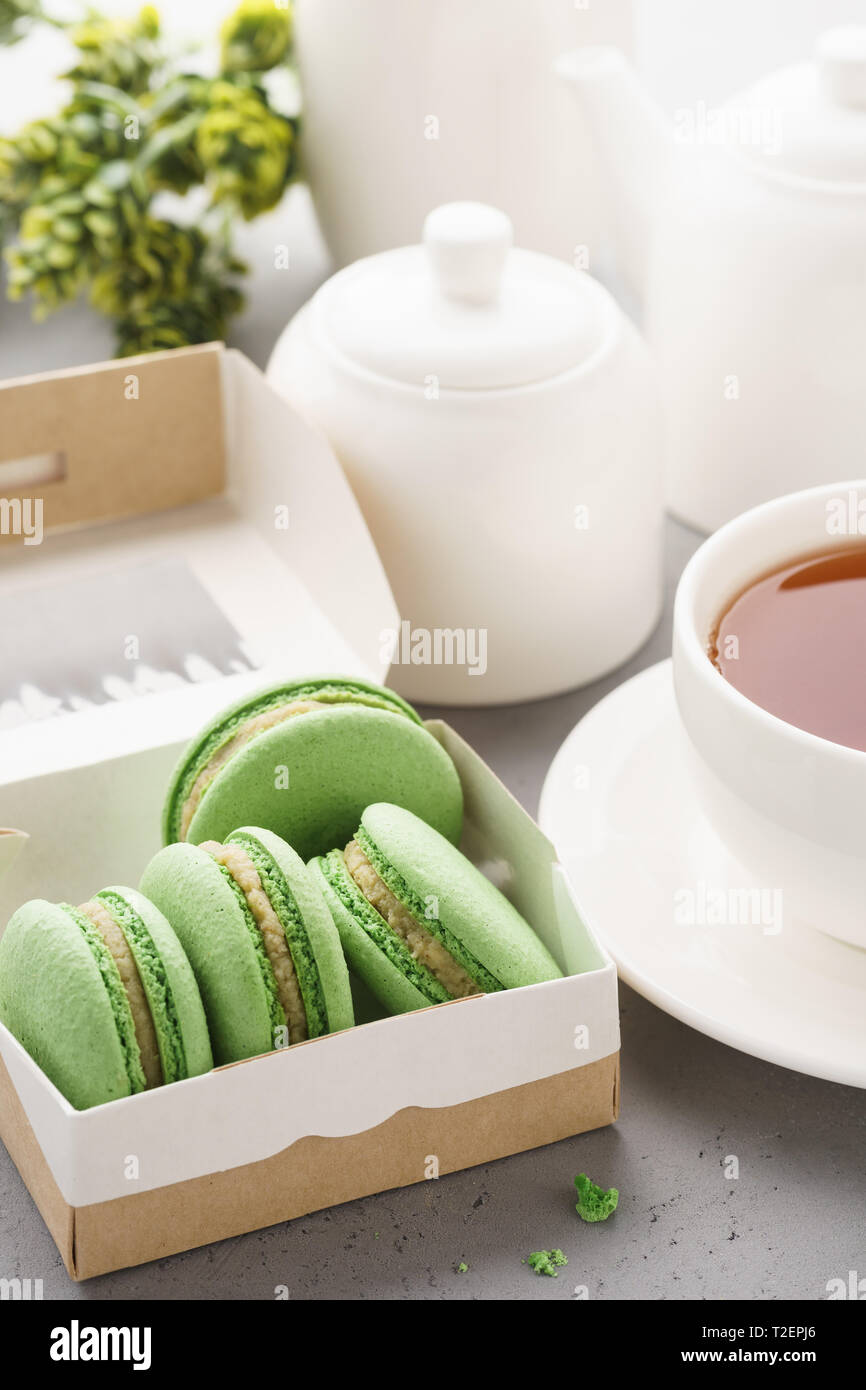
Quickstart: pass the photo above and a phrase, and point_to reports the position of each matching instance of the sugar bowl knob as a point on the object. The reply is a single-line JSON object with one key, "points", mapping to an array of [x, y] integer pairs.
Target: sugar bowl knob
{"points": [[467, 244]]}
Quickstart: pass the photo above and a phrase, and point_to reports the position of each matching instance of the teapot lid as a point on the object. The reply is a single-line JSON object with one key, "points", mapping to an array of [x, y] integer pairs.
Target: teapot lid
{"points": [[465, 309], [809, 120]]}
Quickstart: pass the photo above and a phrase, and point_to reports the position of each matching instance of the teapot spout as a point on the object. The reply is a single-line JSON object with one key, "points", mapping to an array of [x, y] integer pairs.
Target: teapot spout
{"points": [[633, 142]]}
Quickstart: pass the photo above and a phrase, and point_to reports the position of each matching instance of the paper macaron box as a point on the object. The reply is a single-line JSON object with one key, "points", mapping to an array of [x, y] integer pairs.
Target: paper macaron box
{"points": [[198, 544]]}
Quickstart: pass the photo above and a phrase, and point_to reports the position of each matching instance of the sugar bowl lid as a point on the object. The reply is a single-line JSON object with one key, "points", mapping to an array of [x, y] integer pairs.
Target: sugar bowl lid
{"points": [[464, 309]]}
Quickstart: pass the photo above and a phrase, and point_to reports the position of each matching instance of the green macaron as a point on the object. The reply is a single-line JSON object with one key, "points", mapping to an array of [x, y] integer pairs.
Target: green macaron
{"points": [[418, 922], [259, 937], [102, 996], [304, 759]]}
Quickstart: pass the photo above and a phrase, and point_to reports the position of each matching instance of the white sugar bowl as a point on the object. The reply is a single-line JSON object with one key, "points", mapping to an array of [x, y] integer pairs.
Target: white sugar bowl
{"points": [[496, 415]]}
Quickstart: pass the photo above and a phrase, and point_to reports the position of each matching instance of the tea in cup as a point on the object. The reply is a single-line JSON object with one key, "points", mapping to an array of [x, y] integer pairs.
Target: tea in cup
{"points": [[770, 677]]}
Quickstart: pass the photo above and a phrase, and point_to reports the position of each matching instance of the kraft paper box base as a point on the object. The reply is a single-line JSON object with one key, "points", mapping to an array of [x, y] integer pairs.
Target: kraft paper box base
{"points": [[316, 1172], [206, 480]]}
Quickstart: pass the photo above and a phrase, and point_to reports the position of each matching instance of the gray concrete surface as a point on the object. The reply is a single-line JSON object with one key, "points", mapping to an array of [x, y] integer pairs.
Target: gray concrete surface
{"points": [[792, 1221]]}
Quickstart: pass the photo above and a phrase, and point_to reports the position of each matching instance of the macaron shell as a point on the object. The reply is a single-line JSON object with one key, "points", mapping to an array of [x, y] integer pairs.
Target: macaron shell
{"points": [[371, 965], [54, 1001], [191, 891], [310, 687], [467, 904], [335, 761], [180, 978], [319, 925]]}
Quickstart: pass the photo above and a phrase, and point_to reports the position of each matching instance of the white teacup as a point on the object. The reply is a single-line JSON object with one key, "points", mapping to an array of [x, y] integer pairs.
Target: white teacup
{"points": [[789, 805]]}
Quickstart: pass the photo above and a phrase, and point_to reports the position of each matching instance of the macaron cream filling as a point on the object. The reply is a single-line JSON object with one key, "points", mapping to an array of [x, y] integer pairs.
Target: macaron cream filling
{"points": [[145, 1032], [392, 946], [158, 1055], [117, 997], [423, 946], [288, 965], [211, 756], [245, 875], [160, 1001], [402, 925]]}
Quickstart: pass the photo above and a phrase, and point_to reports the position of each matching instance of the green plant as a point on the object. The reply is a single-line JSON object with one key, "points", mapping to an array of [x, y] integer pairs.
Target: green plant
{"points": [[79, 191]]}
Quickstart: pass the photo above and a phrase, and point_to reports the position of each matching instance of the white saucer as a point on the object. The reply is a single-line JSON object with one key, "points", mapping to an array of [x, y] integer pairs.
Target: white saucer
{"points": [[620, 807]]}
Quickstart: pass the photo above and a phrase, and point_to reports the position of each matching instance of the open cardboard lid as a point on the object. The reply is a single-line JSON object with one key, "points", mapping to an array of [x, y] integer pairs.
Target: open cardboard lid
{"points": [[173, 483]]}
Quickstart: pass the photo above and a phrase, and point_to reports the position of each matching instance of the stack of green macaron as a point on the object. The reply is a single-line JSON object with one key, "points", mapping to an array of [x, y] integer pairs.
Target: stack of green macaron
{"points": [[234, 946], [227, 952]]}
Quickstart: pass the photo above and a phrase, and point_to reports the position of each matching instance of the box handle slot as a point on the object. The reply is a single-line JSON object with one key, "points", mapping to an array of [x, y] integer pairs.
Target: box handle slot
{"points": [[23, 474]]}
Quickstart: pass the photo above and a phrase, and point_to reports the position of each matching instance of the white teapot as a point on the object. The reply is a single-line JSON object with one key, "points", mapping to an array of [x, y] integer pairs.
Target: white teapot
{"points": [[497, 417], [744, 228]]}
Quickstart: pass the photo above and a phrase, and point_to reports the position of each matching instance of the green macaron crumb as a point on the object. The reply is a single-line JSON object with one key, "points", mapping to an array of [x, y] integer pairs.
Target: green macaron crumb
{"points": [[420, 911], [328, 692], [275, 1008], [156, 987], [594, 1203], [283, 902], [117, 996], [333, 867], [547, 1262]]}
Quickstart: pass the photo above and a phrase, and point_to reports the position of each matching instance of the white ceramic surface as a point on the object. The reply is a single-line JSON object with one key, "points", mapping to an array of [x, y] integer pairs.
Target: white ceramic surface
{"points": [[788, 803], [744, 228], [497, 417], [621, 807], [408, 104]]}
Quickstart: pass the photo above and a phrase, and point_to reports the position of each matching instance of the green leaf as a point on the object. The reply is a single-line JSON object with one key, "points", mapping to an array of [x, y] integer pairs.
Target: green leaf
{"points": [[115, 175], [115, 99], [67, 229], [61, 256], [171, 137], [69, 203], [101, 223]]}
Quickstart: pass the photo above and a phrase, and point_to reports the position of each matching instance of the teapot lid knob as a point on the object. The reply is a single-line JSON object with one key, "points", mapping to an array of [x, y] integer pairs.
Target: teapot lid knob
{"points": [[467, 244], [841, 55]]}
